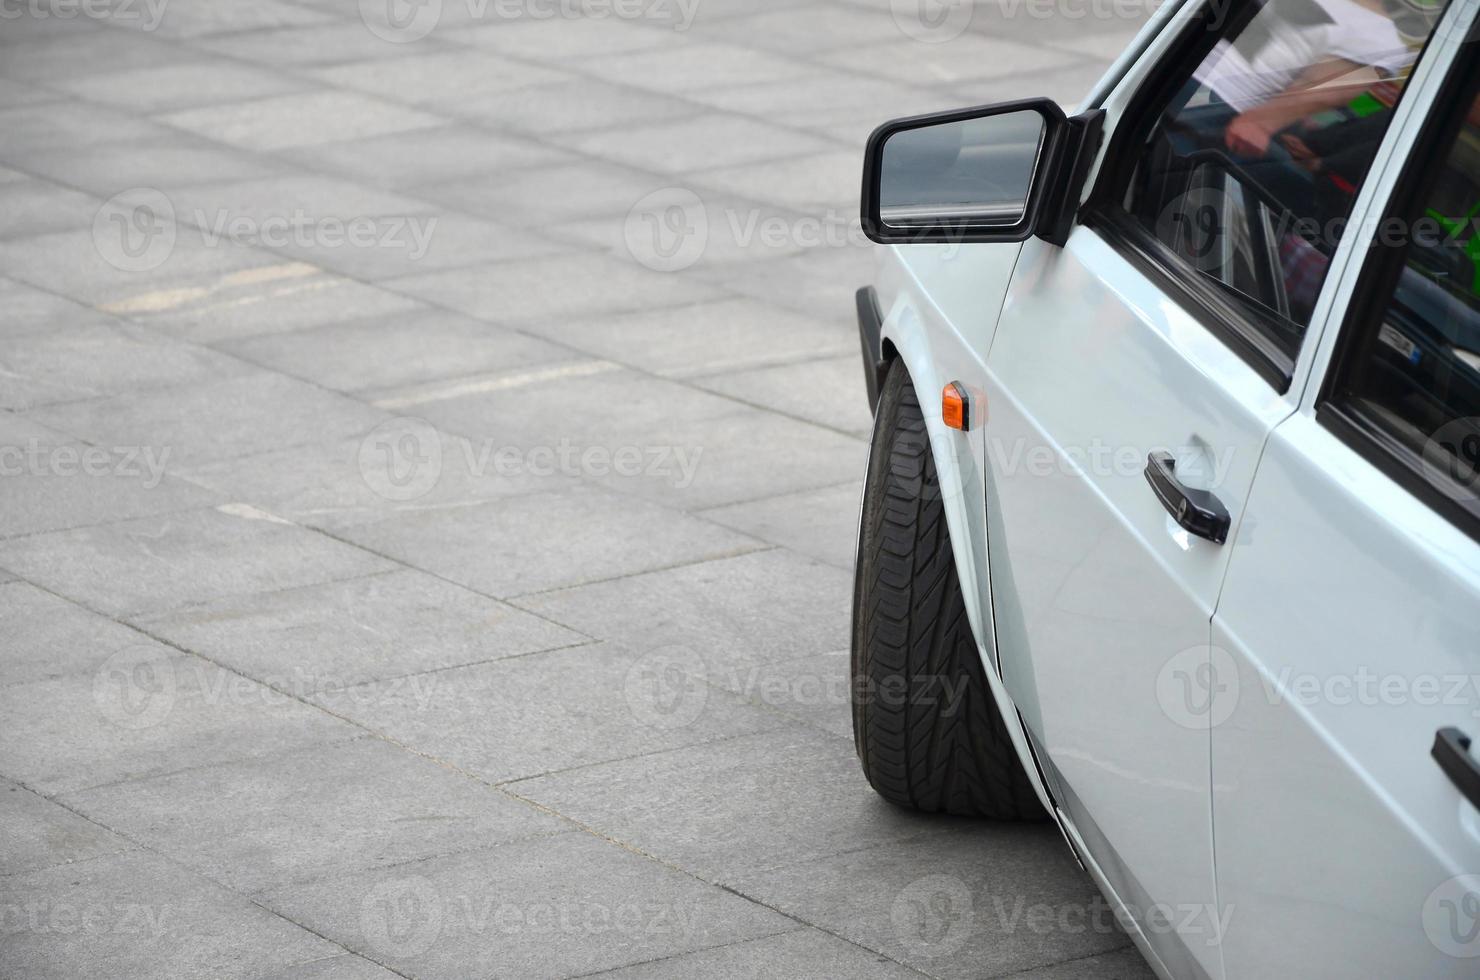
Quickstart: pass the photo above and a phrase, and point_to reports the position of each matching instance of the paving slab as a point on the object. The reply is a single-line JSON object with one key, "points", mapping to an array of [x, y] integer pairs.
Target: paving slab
{"points": [[48, 637], [158, 563], [139, 915], [712, 808], [737, 611], [710, 140], [96, 357], [821, 524], [403, 466], [1004, 896], [53, 482], [334, 636], [825, 390], [260, 825], [693, 66], [146, 710], [175, 87], [32, 207], [555, 907], [297, 47], [166, 164], [538, 542], [807, 954], [405, 348], [409, 161], [564, 106], [707, 338], [95, 268], [739, 456], [299, 120], [253, 412], [36, 833], [446, 77], [500, 721], [345, 967]]}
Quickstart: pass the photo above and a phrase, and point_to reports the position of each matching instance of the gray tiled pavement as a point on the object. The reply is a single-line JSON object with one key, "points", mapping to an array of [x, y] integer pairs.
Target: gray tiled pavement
{"points": [[417, 558]]}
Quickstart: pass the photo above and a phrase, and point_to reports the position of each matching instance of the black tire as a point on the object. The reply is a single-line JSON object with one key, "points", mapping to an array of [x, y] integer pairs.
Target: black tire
{"points": [[927, 729]]}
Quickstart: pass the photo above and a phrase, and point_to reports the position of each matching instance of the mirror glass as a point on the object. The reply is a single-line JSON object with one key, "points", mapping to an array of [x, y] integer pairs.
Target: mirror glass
{"points": [[975, 170]]}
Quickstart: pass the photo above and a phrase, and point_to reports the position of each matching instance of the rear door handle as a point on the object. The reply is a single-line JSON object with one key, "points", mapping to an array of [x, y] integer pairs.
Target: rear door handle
{"points": [[1452, 752], [1196, 510]]}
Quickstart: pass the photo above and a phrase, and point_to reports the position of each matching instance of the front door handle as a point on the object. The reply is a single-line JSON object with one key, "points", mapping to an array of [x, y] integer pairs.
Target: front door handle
{"points": [[1196, 510], [1452, 752]]}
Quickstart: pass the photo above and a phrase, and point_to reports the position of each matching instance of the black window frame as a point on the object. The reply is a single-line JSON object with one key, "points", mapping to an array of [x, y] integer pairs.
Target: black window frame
{"points": [[1382, 265], [1235, 325]]}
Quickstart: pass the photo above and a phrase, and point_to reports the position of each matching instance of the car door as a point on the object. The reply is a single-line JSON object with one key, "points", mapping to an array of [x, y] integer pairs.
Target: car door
{"points": [[1133, 380], [1348, 632]]}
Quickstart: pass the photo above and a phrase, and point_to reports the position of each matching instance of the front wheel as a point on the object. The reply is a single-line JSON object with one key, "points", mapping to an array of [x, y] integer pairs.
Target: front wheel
{"points": [[926, 726]]}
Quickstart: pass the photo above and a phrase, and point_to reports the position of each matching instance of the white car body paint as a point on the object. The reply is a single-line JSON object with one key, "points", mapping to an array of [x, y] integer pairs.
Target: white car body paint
{"points": [[1313, 833]]}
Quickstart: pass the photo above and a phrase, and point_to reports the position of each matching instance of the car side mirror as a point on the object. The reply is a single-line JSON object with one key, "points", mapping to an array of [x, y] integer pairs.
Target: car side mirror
{"points": [[997, 173]]}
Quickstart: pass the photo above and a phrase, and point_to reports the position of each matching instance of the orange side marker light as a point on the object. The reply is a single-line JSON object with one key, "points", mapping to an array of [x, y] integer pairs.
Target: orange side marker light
{"points": [[955, 407]]}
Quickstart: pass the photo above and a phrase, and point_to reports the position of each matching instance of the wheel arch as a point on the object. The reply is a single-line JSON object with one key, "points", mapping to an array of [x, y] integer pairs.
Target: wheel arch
{"points": [[921, 343]]}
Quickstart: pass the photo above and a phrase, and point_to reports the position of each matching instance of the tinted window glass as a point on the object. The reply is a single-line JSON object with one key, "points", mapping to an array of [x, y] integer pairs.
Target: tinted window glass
{"points": [[1417, 374], [1248, 174]]}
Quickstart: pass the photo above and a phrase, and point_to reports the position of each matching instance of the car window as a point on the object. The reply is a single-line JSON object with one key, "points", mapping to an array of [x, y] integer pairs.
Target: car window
{"points": [[1415, 372], [1247, 174]]}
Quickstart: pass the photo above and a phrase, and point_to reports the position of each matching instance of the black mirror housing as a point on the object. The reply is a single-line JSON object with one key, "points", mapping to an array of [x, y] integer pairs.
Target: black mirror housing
{"points": [[975, 175]]}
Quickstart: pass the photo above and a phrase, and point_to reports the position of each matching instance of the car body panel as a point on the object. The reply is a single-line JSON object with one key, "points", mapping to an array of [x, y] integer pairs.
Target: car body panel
{"points": [[1345, 637], [1094, 611]]}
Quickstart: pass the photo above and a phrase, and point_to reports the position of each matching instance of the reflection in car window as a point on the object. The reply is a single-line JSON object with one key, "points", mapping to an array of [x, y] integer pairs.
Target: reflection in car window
{"points": [[1419, 374], [1249, 173]]}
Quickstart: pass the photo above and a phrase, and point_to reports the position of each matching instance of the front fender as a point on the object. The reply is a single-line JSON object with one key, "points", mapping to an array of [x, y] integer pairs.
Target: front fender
{"points": [[924, 339]]}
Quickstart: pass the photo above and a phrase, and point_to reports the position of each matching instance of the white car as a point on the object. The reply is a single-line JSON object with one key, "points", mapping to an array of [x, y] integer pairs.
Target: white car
{"points": [[1171, 517]]}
